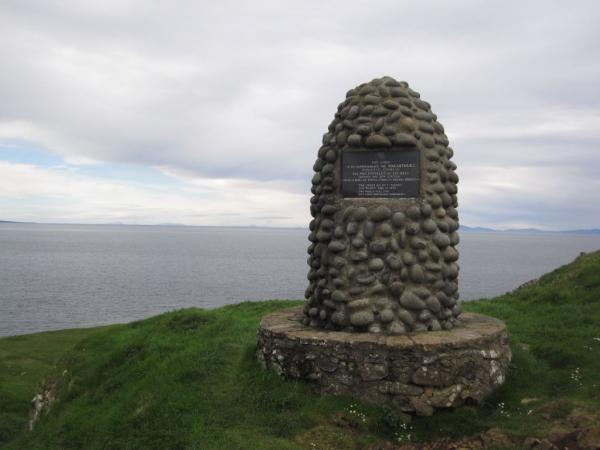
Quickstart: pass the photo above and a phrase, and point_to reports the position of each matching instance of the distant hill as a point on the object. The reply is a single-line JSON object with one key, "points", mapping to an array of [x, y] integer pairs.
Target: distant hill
{"points": [[477, 229], [465, 228]]}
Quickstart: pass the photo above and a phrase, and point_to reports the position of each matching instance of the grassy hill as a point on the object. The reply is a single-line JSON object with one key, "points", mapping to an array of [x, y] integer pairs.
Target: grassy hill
{"points": [[189, 379]]}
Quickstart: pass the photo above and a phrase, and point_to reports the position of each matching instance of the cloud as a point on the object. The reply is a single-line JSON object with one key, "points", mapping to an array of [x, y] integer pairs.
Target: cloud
{"points": [[233, 90], [58, 194]]}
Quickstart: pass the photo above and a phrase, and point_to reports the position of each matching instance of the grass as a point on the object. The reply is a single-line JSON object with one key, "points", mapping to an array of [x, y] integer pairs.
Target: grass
{"points": [[189, 379], [24, 361]]}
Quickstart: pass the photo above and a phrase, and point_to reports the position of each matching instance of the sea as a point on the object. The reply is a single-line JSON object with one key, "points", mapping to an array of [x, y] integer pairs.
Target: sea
{"points": [[71, 276]]}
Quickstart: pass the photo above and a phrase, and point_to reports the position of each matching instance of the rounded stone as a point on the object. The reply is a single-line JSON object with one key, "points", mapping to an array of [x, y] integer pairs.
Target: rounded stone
{"points": [[338, 232], [457, 309], [377, 140], [361, 318], [433, 304], [454, 239], [386, 316], [432, 155], [327, 224], [338, 296], [353, 112], [398, 219], [406, 317], [371, 99], [360, 303], [375, 328], [323, 236], [389, 131], [376, 264], [416, 273], [352, 228], [422, 292], [430, 266], [450, 271], [377, 289], [366, 89], [363, 130], [418, 243], [337, 246], [328, 210], [408, 258], [288, 346], [369, 229], [412, 228], [425, 316], [360, 213], [366, 111], [354, 140], [435, 201], [394, 262], [339, 262], [441, 240], [404, 140], [452, 224], [450, 254], [397, 328], [427, 140], [360, 256], [330, 156], [435, 325], [365, 279], [347, 213], [447, 325], [396, 288], [339, 318], [414, 212], [378, 247], [426, 210], [390, 104], [411, 301], [386, 230], [429, 226], [381, 213], [419, 327], [338, 282]]}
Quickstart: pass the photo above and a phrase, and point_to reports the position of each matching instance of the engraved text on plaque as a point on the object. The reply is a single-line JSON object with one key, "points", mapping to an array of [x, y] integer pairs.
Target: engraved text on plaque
{"points": [[390, 173]]}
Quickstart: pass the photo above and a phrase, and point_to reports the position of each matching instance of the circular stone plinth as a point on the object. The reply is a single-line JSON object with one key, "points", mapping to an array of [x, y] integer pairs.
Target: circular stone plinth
{"points": [[418, 372]]}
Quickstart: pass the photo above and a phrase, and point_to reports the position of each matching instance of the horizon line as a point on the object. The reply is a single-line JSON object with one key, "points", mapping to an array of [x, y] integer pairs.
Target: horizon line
{"points": [[466, 228]]}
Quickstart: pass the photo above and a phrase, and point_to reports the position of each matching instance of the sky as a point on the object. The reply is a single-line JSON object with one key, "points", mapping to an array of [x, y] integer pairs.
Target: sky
{"points": [[212, 113]]}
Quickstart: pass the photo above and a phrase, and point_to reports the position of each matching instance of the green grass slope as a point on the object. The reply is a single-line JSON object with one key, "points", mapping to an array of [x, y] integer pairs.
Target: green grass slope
{"points": [[189, 379], [24, 361]]}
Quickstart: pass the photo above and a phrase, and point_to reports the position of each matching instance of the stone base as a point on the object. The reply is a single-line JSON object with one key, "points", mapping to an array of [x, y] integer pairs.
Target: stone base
{"points": [[418, 373]]}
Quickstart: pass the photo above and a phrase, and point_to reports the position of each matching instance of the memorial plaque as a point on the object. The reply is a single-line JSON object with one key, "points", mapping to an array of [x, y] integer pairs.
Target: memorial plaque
{"points": [[389, 173]]}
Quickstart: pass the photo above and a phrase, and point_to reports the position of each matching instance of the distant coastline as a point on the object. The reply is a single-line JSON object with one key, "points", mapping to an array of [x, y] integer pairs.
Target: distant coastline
{"points": [[463, 228]]}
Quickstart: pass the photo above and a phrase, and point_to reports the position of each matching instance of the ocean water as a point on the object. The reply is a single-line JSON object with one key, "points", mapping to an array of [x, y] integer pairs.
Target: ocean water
{"points": [[64, 276]]}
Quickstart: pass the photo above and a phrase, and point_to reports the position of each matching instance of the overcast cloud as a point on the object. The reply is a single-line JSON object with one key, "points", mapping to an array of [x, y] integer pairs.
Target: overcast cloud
{"points": [[212, 112]]}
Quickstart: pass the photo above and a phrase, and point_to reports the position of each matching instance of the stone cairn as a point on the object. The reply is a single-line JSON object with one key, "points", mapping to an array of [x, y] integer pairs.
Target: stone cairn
{"points": [[384, 265], [382, 316]]}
